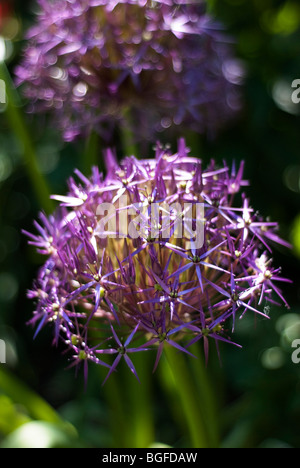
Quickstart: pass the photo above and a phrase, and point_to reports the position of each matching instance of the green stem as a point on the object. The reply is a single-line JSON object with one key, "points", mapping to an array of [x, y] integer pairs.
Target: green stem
{"points": [[188, 397], [206, 394], [91, 153], [211, 6], [130, 405], [168, 384], [141, 412], [128, 140], [193, 141], [18, 126], [114, 397]]}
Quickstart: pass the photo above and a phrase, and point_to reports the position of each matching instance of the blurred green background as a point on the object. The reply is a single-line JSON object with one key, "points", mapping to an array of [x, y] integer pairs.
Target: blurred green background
{"points": [[256, 389]]}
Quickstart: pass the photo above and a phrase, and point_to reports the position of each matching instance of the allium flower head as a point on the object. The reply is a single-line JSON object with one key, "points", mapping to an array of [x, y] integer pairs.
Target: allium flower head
{"points": [[155, 254], [164, 63]]}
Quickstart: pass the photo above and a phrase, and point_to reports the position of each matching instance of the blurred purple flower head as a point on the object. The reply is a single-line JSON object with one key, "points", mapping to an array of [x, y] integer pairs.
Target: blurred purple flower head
{"points": [[118, 279], [163, 63]]}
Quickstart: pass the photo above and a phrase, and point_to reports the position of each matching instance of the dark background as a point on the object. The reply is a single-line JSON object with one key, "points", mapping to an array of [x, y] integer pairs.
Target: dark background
{"points": [[257, 388]]}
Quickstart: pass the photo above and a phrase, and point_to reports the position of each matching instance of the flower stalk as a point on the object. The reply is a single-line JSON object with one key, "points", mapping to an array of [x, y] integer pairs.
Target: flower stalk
{"points": [[188, 397], [19, 128]]}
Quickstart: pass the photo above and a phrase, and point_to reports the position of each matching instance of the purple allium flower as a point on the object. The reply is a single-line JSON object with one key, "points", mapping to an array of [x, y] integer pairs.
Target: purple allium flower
{"points": [[95, 63], [121, 278]]}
